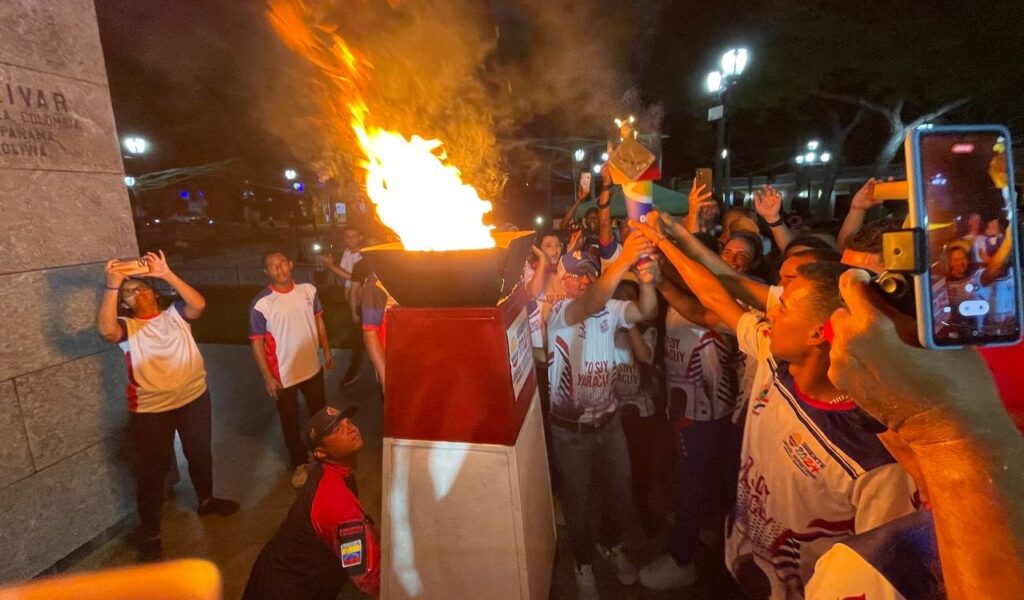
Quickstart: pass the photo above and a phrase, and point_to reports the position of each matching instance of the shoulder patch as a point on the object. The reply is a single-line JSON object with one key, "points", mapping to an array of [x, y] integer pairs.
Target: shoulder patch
{"points": [[351, 546]]}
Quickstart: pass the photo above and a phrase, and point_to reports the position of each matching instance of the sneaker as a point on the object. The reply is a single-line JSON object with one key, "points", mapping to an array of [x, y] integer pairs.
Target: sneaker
{"points": [[586, 585], [665, 574], [625, 570], [217, 506], [299, 476]]}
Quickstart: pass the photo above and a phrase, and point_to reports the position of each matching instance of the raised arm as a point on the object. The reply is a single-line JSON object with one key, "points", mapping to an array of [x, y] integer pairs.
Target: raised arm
{"points": [[328, 261], [541, 275], [689, 306], [641, 351], [712, 293], [862, 202], [996, 265], [768, 204], [699, 198], [106, 320], [752, 293], [600, 292], [570, 215], [646, 308], [195, 304], [604, 211]]}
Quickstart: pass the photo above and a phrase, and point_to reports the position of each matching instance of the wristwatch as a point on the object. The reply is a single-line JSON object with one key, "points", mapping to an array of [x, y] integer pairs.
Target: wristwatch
{"points": [[777, 223]]}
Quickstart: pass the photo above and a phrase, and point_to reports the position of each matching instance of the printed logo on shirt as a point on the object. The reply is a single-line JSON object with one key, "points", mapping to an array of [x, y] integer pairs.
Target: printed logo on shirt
{"points": [[352, 554], [604, 326], [802, 456], [595, 375], [761, 401]]}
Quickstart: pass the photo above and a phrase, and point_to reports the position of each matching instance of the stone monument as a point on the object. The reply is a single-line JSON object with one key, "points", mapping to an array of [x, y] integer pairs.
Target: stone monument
{"points": [[64, 210]]}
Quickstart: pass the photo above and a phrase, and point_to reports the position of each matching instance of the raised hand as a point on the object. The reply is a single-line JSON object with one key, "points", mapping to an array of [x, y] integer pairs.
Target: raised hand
{"points": [[768, 203], [114, 278], [700, 197], [864, 199], [158, 265], [637, 244], [648, 272]]}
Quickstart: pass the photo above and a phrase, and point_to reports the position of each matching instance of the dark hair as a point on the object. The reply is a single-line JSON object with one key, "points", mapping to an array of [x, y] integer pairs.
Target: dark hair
{"points": [[746, 212], [709, 241], [808, 241], [549, 233], [592, 209], [354, 228], [869, 237], [624, 285], [272, 252], [824, 279], [819, 254], [754, 241]]}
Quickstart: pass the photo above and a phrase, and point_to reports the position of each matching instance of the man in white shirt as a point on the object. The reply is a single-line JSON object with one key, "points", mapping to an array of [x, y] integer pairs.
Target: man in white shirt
{"points": [[812, 469], [587, 437], [285, 327], [353, 239]]}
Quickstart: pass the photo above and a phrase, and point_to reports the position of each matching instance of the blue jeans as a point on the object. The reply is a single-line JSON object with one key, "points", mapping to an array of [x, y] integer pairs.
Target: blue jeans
{"points": [[581, 458], [707, 481]]}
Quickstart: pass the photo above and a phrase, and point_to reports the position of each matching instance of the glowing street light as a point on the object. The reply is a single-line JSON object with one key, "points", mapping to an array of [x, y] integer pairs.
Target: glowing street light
{"points": [[813, 145], [714, 82], [135, 145], [580, 155], [290, 174], [597, 168], [604, 156], [129, 181], [825, 157], [734, 61], [539, 220]]}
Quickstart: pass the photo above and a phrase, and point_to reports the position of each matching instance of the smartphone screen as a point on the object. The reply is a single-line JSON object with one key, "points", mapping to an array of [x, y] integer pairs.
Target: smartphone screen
{"points": [[971, 227]]}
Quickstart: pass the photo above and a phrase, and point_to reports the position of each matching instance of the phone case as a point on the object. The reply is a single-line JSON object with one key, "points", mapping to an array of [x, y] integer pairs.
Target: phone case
{"points": [[919, 218]]}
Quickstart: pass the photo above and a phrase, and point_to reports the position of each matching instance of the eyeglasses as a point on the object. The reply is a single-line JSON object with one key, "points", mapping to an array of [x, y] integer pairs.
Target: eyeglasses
{"points": [[132, 291]]}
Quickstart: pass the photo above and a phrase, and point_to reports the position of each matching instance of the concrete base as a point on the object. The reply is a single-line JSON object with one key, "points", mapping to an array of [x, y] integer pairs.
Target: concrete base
{"points": [[468, 520]]}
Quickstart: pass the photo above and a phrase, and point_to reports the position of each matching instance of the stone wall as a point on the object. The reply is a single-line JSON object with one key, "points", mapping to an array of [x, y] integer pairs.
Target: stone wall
{"points": [[64, 210]]}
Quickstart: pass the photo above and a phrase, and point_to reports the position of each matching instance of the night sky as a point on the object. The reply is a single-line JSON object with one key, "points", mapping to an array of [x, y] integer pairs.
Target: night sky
{"points": [[207, 80]]}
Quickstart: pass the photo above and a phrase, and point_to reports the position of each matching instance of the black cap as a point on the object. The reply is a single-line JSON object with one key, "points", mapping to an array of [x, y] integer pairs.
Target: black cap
{"points": [[326, 420]]}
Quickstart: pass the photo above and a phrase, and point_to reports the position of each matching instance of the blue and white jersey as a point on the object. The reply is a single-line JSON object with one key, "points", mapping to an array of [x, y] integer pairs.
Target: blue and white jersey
{"points": [[581, 362], [897, 561], [811, 474]]}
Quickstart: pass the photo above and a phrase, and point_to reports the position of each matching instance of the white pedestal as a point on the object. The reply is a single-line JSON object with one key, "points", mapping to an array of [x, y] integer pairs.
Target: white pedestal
{"points": [[468, 521]]}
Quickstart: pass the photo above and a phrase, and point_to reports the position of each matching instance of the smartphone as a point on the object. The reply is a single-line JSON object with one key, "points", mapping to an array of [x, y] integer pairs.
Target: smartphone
{"points": [[961, 196], [704, 177], [131, 267], [585, 181]]}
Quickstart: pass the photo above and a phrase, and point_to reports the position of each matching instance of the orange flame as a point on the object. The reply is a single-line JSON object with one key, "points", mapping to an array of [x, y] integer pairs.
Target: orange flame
{"points": [[417, 194]]}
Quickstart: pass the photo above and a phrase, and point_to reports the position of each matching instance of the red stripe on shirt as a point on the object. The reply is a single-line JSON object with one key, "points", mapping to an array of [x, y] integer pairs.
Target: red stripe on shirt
{"points": [[132, 389], [270, 349]]}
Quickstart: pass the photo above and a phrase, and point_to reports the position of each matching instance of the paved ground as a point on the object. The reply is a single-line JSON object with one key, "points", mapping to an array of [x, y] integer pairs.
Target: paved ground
{"points": [[250, 466]]}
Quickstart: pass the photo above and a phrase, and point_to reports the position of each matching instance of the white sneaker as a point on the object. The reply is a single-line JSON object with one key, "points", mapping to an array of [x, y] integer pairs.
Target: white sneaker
{"points": [[665, 574], [625, 570], [586, 585], [299, 476]]}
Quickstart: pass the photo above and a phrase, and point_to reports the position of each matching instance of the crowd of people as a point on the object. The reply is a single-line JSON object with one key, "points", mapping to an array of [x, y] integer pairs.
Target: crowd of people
{"points": [[721, 363], [722, 376]]}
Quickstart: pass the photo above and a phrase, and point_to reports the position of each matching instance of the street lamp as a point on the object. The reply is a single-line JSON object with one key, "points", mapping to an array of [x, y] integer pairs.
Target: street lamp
{"points": [[812, 155], [290, 174], [733, 63], [135, 145], [580, 154]]}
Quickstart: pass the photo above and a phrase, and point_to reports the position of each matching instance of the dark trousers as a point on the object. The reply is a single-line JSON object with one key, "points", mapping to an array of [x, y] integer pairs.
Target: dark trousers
{"points": [[288, 408], [706, 481], [650, 453], [588, 458], [153, 437], [358, 352]]}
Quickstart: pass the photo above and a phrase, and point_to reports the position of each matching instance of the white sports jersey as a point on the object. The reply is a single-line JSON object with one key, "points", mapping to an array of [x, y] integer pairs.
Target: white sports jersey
{"points": [[701, 363], [897, 561], [580, 362], [629, 386], [811, 474], [165, 369], [286, 321]]}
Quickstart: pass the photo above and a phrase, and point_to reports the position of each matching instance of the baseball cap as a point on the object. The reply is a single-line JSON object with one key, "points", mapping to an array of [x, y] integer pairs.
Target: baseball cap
{"points": [[578, 262], [326, 421]]}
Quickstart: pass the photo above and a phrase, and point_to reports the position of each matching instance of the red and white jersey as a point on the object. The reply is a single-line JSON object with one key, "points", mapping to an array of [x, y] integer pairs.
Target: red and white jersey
{"points": [[701, 363], [165, 369], [286, 321], [581, 359], [811, 474], [627, 381]]}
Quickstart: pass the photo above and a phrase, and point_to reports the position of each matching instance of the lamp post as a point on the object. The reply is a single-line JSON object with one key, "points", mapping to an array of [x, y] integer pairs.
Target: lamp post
{"points": [[813, 155], [732, 64]]}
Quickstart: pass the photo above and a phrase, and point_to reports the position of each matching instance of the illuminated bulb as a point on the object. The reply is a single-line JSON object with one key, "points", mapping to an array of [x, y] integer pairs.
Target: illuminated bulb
{"points": [[714, 81], [810, 157], [604, 156], [597, 168], [825, 157], [725, 153], [800, 159], [579, 155], [539, 220], [812, 145]]}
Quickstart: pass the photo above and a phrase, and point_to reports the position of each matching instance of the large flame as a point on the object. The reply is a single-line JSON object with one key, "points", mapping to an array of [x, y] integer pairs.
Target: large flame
{"points": [[417, 194]]}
